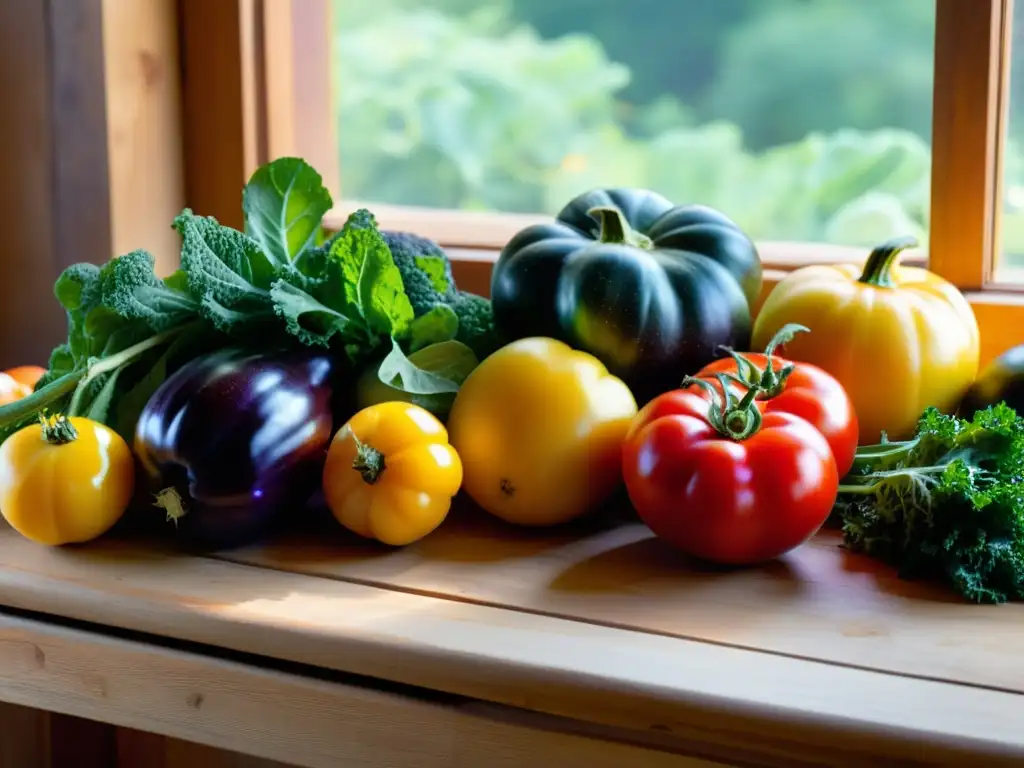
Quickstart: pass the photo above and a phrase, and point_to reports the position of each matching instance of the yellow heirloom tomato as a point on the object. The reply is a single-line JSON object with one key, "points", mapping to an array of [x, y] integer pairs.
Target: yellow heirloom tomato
{"points": [[65, 480], [539, 427], [899, 339], [391, 474]]}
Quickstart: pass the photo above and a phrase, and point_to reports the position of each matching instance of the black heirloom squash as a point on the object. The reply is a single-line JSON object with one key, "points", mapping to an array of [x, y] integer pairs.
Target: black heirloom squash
{"points": [[649, 288]]}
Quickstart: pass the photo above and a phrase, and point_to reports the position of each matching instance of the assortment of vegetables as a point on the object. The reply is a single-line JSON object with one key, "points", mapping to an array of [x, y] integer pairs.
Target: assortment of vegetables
{"points": [[897, 338], [614, 352]]}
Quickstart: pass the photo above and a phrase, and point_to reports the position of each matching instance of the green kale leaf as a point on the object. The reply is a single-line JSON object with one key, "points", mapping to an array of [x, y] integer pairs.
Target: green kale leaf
{"points": [[284, 203], [948, 504]]}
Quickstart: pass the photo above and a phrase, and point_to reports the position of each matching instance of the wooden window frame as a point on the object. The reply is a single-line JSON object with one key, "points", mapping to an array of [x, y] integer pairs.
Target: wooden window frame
{"points": [[196, 95]]}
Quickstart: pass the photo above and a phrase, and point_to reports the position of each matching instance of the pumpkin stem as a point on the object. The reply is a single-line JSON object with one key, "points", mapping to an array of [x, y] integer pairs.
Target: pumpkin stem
{"points": [[732, 418], [879, 264], [615, 228]]}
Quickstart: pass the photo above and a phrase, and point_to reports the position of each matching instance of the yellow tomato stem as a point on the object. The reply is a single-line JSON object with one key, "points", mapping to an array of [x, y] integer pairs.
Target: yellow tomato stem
{"points": [[878, 267], [369, 462], [615, 229], [58, 430]]}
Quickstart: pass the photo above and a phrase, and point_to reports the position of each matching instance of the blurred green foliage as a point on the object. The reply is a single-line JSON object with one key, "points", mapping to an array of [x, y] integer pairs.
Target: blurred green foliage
{"points": [[801, 119]]}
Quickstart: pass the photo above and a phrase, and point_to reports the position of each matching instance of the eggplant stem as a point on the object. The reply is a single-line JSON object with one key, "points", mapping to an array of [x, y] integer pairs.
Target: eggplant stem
{"points": [[171, 502]]}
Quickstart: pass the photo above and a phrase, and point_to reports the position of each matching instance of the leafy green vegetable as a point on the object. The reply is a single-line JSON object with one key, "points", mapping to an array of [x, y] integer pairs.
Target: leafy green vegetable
{"points": [[429, 378], [948, 504], [283, 203], [128, 329], [439, 324]]}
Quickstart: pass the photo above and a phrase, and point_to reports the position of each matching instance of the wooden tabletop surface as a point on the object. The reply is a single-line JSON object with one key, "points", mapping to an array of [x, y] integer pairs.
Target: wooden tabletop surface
{"points": [[597, 621]]}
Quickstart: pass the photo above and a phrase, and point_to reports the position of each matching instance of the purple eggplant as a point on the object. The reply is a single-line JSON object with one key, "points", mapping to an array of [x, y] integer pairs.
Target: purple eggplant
{"points": [[234, 441]]}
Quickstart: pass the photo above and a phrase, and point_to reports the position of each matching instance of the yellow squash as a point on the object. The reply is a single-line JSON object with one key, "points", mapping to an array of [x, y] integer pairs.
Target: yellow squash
{"points": [[390, 473], [897, 338], [65, 480], [539, 427]]}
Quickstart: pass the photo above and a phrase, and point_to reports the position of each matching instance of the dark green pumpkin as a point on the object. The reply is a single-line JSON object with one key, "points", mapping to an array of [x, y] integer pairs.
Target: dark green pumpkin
{"points": [[649, 288], [1002, 380]]}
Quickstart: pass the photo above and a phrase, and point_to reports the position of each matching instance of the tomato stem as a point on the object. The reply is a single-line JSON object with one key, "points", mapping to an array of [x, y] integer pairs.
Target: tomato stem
{"points": [[770, 382], [734, 418], [615, 229], [369, 462], [58, 430], [878, 267]]}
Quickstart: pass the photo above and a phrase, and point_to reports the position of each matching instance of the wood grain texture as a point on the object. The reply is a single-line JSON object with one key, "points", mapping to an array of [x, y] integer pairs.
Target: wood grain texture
{"points": [[144, 133], [969, 89], [712, 694], [277, 716]]}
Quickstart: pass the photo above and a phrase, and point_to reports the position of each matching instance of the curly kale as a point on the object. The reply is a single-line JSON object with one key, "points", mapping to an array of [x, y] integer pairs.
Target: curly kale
{"points": [[948, 504]]}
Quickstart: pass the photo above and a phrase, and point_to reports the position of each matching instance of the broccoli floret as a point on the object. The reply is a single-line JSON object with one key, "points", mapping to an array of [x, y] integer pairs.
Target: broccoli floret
{"points": [[476, 323], [426, 271]]}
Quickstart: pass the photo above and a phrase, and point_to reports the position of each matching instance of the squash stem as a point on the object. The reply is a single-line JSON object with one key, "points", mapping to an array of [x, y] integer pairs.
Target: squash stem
{"points": [[615, 229], [878, 267]]}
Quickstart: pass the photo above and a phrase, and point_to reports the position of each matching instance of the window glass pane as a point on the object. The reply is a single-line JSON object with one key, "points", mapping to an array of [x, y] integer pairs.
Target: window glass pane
{"points": [[804, 120], [1010, 266]]}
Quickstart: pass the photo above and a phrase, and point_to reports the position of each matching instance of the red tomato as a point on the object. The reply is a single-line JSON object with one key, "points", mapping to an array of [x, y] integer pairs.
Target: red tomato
{"points": [[726, 483], [802, 389]]}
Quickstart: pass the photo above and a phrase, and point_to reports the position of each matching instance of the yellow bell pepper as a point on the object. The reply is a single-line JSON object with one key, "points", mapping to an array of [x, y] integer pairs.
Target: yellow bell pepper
{"points": [[390, 473], [899, 339]]}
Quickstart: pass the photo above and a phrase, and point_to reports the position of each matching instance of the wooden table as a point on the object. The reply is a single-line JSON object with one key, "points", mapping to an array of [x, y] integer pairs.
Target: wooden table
{"points": [[486, 645]]}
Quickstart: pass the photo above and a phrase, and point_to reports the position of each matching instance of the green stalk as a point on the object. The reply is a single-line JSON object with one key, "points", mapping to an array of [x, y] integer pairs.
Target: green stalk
{"points": [[616, 230], [77, 381], [732, 418], [878, 268], [770, 381]]}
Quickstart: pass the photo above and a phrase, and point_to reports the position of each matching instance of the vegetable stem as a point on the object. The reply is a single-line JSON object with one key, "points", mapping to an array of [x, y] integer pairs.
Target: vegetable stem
{"points": [[615, 229], [770, 381], [171, 502], [58, 430], [369, 462], [878, 268], [732, 418]]}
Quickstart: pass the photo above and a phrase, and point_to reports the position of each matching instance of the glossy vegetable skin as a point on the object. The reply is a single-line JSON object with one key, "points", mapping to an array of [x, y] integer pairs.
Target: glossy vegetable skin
{"points": [[802, 389], [26, 374], [897, 338], [12, 390], [65, 480], [390, 473], [235, 441], [723, 483], [539, 427], [648, 288], [1002, 380]]}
